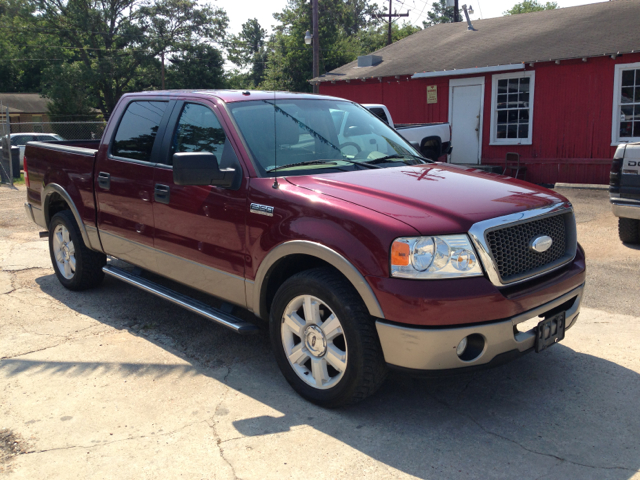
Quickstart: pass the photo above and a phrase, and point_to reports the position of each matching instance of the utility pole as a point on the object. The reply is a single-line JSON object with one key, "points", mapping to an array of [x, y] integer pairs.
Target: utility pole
{"points": [[456, 12], [316, 45], [395, 15], [162, 56]]}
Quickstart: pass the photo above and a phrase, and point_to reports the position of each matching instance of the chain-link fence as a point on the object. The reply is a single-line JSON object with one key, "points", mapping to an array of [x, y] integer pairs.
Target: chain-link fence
{"points": [[22, 132], [6, 164], [63, 130]]}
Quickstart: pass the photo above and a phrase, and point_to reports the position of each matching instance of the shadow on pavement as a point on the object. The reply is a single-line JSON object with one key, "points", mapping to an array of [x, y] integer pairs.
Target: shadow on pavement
{"points": [[559, 408]]}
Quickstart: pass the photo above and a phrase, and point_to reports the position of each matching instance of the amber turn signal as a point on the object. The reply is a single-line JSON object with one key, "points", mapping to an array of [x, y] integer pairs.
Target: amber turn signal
{"points": [[400, 252]]}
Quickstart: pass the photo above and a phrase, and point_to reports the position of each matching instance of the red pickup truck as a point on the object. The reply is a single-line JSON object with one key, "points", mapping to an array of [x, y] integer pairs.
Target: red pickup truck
{"points": [[321, 220]]}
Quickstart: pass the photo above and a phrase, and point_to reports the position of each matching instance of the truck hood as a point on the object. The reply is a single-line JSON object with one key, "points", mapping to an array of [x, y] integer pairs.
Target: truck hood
{"points": [[433, 199]]}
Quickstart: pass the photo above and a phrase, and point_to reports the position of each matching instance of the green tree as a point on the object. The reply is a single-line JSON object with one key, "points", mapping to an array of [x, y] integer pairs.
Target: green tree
{"points": [[196, 66], [346, 29], [116, 43], [528, 6], [439, 13], [70, 97], [21, 48], [248, 51]]}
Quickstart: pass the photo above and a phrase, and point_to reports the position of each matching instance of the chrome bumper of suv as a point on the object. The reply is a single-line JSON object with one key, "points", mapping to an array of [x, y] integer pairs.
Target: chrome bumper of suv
{"points": [[626, 210], [435, 348]]}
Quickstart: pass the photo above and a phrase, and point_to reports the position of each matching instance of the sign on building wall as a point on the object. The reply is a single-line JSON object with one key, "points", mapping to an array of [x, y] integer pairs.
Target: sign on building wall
{"points": [[432, 94]]}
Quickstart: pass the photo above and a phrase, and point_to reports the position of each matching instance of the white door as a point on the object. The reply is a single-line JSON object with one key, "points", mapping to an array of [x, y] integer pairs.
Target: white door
{"points": [[466, 120]]}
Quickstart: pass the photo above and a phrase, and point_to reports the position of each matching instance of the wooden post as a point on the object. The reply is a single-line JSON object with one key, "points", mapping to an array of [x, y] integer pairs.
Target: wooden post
{"points": [[316, 45]]}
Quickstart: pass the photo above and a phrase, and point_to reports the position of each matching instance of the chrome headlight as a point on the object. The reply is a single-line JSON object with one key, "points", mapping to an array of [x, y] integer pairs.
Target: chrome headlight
{"points": [[446, 256]]}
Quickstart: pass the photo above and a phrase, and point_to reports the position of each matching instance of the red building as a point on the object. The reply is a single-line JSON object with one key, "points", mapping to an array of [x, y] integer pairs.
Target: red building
{"points": [[559, 87]]}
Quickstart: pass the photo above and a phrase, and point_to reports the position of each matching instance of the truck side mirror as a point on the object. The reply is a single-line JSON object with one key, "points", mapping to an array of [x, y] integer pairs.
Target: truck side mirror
{"points": [[201, 168]]}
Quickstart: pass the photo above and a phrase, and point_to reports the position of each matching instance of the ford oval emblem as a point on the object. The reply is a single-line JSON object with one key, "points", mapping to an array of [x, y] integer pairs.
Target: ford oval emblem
{"points": [[541, 244]]}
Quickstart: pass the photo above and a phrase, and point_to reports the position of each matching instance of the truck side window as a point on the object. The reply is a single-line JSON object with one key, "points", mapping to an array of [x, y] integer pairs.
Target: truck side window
{"points": [[137, 130], [379, 112], [198, 130]]}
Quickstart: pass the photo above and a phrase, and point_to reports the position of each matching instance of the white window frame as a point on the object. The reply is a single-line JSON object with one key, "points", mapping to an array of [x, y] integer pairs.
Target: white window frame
{"points": [[494, 104], [615, 118]]}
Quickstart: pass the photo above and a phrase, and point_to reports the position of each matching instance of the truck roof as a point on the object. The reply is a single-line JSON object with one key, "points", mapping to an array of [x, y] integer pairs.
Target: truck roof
{"points": [[230, 96]]}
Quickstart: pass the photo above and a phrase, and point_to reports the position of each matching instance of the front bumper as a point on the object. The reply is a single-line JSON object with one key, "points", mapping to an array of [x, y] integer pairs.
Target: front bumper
{"points": [[434, 349], [626, 210]]}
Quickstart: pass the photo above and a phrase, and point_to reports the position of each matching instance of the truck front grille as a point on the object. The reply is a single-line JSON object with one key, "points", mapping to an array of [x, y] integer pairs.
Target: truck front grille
{"points": [[513, 256]]}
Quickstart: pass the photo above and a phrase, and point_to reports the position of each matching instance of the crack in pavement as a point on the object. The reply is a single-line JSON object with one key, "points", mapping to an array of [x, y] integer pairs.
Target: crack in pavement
{"points": [[32, 351], [550, 455], [71, 447], [66, 339], [214, 429]]}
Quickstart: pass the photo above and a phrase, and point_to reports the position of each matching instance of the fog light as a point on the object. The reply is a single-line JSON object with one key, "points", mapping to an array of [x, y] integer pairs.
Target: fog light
{"points": [[461, 347]]}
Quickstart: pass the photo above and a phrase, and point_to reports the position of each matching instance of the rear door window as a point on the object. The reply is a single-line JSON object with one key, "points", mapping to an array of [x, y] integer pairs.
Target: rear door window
{"points": [[138, 129], [379, 112]]}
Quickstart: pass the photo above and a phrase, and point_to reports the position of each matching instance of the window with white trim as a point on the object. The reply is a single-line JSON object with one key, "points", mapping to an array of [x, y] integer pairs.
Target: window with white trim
{"points": [[626, 103], [512, 108]]}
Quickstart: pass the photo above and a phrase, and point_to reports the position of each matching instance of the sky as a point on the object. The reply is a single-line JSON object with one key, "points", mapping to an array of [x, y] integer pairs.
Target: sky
{"points": [[239, 11]]}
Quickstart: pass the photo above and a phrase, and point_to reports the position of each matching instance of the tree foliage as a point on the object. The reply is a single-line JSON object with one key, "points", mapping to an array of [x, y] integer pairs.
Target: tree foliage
{"points": [[347, 29], [83, 55], [439, 13], [112, 46], [196, 66], [248, 50], [528, 6]]}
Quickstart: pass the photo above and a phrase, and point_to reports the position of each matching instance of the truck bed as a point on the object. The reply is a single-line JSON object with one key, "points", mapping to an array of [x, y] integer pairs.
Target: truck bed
{"points": [[72, 163]]}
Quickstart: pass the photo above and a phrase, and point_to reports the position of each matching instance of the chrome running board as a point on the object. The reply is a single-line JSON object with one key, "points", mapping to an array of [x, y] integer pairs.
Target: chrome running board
{"points": [[237, 325]]}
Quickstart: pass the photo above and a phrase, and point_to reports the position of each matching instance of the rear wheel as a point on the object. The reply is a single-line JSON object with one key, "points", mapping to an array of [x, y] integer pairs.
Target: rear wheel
{"points": [[324, 339], [629, 230], [76, 267]]}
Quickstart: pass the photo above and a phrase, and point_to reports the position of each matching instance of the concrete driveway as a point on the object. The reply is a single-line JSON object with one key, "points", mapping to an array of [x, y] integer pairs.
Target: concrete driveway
{"points": [[114, 383]]}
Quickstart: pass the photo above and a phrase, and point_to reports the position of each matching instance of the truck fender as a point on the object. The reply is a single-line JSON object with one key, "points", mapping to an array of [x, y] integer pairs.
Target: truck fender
{"points": [[46, 196], [322, 252]]}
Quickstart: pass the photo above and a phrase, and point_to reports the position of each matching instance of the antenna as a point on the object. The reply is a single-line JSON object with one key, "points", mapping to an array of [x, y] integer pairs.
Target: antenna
{"points": [[275, 185]]}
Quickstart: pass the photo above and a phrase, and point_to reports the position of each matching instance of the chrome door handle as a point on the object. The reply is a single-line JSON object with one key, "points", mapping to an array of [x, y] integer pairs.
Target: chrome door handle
{"points": [[104, 180], [162, 193]]}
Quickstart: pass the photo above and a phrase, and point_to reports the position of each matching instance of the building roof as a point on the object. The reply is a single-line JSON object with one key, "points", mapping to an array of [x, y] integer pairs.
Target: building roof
{"points": [[575, 32], [23, 102]]}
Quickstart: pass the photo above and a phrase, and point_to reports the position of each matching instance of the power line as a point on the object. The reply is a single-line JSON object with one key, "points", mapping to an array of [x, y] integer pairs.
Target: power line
{"points": [[87, 48]]}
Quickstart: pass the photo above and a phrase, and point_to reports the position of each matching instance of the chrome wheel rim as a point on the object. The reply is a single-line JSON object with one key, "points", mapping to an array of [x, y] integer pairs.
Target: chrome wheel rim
{"points": [[314, 342], [64, 252]]}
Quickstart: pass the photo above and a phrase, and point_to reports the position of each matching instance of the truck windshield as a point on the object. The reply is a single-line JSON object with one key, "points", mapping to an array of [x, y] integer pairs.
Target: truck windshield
{"points": [[299, 137]]}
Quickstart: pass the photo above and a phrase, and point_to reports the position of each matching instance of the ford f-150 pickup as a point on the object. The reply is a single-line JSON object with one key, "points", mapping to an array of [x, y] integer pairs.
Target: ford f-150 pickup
{"points": [[310, 215]]}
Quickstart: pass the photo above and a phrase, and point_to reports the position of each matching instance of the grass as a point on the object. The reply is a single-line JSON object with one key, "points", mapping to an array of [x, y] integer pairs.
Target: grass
{"points": [[19, 181]]}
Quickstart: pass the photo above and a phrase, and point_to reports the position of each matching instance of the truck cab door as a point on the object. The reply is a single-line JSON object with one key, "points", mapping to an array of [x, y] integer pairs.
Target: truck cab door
{"points": [[124, 182], [200, 230]]}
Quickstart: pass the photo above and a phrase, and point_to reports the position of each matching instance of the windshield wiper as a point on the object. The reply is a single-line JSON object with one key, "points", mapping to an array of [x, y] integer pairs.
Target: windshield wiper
{"points": [[396, 155], [319, 162], [299, 164]]}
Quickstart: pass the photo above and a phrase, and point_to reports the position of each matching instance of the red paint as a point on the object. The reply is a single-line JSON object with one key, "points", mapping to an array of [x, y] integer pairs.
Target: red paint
{"points": [[571, 120], [358, 214]]}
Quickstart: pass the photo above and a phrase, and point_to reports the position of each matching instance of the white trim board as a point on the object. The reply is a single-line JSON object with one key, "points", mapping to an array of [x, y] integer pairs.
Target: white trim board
{"points": [[463, 82], [494, 99], [615, 120], [469, 71]]}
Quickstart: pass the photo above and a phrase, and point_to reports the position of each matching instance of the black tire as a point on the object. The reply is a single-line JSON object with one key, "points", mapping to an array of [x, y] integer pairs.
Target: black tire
{"points": [[365, 367], [88, 264], [629, 230]]}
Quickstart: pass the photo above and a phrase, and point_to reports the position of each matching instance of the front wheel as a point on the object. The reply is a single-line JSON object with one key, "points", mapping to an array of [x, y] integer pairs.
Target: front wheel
{"points": [[324, 339], [629, 230]]}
